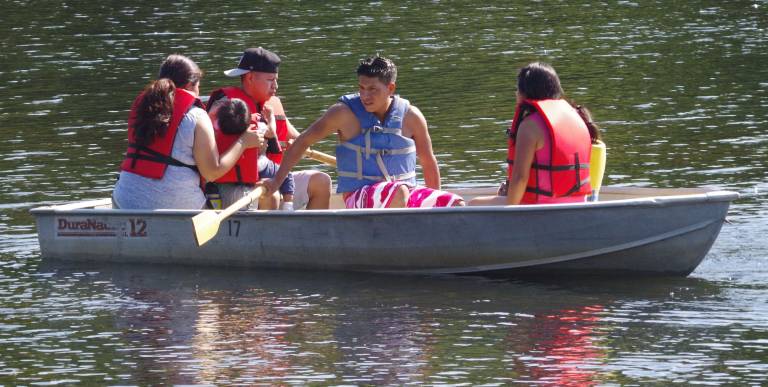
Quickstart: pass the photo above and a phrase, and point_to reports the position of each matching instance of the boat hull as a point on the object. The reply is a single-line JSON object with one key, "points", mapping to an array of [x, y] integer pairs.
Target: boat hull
{"points": [[658, 235]]}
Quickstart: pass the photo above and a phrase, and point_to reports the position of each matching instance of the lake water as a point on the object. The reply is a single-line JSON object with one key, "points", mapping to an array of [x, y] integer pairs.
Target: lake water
{"points": [[680, 89]]}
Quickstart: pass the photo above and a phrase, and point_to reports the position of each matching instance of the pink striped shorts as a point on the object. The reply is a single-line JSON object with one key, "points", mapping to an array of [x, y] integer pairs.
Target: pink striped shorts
{"points": [[379, 195]]}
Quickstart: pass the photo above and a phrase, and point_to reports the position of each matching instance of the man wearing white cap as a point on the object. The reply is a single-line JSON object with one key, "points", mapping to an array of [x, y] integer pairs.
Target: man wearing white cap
{"points": [[258, 72]]}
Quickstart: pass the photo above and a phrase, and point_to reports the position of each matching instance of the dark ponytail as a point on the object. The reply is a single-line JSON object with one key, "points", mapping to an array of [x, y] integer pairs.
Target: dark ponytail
{"points": [[153, 114], [155, 109], [594, 130]]}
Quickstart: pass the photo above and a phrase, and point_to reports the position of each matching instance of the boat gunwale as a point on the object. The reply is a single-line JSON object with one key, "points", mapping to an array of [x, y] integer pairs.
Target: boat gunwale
{"points": [[84, 207]]}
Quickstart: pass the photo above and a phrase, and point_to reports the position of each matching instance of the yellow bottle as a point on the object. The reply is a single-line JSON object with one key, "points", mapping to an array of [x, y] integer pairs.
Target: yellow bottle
{"points": [[596, 169]]}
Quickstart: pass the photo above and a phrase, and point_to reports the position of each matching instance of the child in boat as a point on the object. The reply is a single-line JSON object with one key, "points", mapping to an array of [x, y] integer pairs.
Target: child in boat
{"points": [[232, 117]]}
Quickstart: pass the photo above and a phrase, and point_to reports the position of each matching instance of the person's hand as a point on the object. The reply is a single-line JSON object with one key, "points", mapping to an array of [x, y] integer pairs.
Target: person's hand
{"points": [[270, 186], [268, 114], [269, 117], [503, 188], [252, 138]]}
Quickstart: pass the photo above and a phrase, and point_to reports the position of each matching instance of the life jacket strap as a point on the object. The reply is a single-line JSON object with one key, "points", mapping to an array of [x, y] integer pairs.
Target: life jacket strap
{"points": [[538, 191], [383, 167], [378, 153], [238, 174], [553, 167], [384, 152], [154, 156], [381, 129]]}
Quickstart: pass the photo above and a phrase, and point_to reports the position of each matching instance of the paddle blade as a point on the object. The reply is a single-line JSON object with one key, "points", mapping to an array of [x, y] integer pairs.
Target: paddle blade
{"points": [[206, 225]]}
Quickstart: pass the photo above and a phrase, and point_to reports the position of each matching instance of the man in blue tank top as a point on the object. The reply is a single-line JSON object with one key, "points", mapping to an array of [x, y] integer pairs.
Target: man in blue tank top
{"points": [[381, 137]]}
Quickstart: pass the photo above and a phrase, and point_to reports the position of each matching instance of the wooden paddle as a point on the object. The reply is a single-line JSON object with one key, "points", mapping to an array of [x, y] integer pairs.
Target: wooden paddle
{"points": [[206, 223], [320, 156]]}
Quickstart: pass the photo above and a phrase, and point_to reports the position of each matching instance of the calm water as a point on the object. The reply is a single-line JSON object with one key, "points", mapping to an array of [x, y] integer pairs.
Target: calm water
{"points": [[681, 91]]}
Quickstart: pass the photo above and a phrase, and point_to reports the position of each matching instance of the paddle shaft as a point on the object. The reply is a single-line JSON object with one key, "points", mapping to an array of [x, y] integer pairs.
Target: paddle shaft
{"points": [[240, 203], [320, 156], [206, 224]]}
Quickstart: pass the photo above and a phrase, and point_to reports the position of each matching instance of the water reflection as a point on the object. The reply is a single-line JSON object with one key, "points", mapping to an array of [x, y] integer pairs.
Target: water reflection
{"points": [[215, 326], [566, 347]]}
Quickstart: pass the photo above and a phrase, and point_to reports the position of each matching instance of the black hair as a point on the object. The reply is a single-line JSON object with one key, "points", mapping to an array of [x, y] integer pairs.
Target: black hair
{"points": [[594, 130], [378, 67], [233, 116], [539, 80], [154, 110]]}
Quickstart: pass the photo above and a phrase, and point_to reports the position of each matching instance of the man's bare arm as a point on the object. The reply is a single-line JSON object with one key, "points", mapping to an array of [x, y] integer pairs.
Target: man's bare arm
{"points": [[416, 122], [326, 125], [292, 132]]}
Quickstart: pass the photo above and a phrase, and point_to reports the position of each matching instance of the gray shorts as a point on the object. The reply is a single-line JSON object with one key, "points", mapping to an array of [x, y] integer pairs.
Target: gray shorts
{"points": [[230, 193], [301, 189]]}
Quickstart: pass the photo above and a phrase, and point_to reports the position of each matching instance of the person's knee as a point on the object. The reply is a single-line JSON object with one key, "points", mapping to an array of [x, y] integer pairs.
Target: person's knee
{"points": [[400, 197], [271, 202], [319, 191], [319, 184]]}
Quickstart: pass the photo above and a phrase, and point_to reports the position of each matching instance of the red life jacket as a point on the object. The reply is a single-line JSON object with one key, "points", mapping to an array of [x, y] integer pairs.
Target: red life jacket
{"points": [[255, 107], [151, 160], [246, 170], [570, 148]]}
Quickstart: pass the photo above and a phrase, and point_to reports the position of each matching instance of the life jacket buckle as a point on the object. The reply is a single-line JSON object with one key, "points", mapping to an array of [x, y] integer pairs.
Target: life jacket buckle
{"points": [[377, 129]]}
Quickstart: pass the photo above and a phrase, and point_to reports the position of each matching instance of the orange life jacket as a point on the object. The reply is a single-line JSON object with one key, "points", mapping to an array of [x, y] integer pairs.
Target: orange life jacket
{"points": [[570, 148], [255, 107], [151, 160]]}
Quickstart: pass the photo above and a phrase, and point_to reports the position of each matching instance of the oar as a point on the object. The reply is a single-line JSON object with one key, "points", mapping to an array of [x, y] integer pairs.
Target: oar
{"points": [[206, 223], [320, 156]]}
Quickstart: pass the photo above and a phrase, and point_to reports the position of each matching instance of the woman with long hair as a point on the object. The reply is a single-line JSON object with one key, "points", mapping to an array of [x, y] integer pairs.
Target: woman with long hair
{"points": [[171, 143], [549, 144]]}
